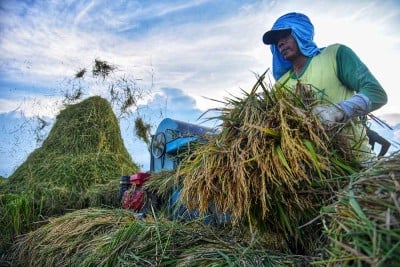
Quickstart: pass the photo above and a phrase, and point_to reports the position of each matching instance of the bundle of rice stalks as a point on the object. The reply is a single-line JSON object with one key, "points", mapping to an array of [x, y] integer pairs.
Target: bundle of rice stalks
{"points": [[270, 165], [364, 224], [78, 165], [162, 183], [100, 237], [158, 191]]}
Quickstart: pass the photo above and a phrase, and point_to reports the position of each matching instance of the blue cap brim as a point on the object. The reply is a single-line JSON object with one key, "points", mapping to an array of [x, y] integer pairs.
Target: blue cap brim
{"points": [[273, 36]]}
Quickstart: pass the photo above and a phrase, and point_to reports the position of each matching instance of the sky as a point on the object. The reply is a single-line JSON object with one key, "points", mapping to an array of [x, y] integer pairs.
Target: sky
{"points": [[183, 52]]}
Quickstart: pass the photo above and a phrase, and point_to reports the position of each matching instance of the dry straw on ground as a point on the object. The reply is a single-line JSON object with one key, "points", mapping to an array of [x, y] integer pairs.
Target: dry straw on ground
{"points": [[101, 237], [363, 225]]}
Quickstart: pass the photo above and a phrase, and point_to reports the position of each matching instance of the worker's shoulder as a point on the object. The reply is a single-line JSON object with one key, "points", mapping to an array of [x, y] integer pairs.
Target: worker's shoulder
{"points": [[337, 50], [333, 48], [328, 53]]}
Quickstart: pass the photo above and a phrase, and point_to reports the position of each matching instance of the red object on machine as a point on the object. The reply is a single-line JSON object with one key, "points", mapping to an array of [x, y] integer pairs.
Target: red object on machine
{"points": [[139, 178], [133, 198]]}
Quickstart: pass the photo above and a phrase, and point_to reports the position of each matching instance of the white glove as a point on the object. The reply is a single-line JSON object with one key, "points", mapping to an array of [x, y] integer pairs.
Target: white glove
{"points": [[328, 115]]}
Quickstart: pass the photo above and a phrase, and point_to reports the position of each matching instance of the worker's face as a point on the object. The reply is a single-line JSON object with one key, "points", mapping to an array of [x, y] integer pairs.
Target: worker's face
{"points": [[288, 47]]}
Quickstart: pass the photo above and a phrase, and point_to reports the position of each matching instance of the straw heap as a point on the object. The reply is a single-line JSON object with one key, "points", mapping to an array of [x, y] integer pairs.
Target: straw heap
{"points": [[84, 150], [78, 165]]}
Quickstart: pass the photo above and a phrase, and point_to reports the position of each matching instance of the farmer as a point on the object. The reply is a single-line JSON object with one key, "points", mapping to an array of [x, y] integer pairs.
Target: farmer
{"points": [[346, 89]]}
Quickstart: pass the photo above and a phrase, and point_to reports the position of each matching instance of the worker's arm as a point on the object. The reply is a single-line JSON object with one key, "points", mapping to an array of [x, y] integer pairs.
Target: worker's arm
{"points": [[355, 75]]}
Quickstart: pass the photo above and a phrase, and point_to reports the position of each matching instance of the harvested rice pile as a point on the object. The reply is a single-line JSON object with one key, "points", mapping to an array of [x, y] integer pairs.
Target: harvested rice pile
{"points": [[77, 166], [84, 149], [363, 226], [271, 166]]}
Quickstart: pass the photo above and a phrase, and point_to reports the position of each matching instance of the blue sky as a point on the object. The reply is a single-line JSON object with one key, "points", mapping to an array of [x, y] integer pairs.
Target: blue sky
{"points": [[183, 51]]}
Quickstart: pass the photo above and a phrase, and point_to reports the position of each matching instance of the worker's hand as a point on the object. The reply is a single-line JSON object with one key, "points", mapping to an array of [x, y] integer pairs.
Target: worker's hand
{"points": [[329, 115]]}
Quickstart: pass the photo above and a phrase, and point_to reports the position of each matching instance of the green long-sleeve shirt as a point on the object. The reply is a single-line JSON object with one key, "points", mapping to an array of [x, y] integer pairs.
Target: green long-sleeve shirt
{"points": [[339, 73], [336, 74], [354, 74]]}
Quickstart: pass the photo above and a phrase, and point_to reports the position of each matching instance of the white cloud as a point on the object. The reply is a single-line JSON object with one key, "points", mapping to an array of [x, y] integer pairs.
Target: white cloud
{"points": [[162, 8], [83, 12], [39, 106], [203, 58]]}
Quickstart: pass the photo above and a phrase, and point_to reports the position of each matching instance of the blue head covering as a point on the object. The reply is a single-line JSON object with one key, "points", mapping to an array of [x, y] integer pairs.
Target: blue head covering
{"points": [[301, 29]]}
